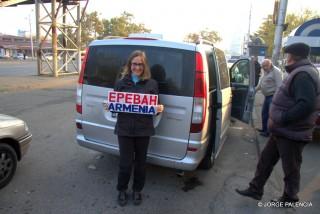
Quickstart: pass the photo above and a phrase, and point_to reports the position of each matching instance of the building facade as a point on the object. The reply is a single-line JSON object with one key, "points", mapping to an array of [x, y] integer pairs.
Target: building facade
{"points": [[10, 46]]}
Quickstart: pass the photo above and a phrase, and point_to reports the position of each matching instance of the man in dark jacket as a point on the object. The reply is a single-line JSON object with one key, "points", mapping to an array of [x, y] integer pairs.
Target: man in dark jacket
{"points": [[257, 69], [292, 117]]}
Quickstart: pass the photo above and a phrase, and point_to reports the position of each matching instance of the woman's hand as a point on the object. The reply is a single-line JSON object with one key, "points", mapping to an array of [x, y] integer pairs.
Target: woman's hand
{"points": [[160, 108], [105, 106]]}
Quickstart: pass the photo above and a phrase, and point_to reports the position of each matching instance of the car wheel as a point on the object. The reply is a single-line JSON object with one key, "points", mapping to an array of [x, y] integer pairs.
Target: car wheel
{"points": [[208, 160], [8, 164]]}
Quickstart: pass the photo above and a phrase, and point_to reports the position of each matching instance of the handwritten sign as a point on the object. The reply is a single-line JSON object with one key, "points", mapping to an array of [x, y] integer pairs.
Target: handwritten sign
{"points": [[132, 102]]}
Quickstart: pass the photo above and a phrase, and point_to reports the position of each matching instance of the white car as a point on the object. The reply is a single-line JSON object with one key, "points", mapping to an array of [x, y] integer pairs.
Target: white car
{"points": [[19, 56], [49, 56], [15, 139]]}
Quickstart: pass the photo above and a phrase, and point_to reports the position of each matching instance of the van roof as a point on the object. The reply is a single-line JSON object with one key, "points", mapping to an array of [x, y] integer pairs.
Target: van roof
{"points": [[144, 42]]}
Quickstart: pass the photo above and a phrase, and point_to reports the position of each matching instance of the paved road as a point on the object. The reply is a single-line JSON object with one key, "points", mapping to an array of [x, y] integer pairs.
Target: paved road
{"points": [[58, 176], [20, 75], [18, 68]]}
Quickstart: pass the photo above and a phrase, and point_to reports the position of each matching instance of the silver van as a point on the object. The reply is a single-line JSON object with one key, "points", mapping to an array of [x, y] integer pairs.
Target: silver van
{"points": [[198, 91]]}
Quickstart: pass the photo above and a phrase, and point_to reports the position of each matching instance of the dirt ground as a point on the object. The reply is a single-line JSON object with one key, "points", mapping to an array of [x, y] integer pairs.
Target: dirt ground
{"points": [[23, 83]]}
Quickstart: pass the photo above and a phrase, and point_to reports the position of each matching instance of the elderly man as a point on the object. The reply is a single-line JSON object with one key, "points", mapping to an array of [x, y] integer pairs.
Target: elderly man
{"points": [[269, 82], [293, 113]]}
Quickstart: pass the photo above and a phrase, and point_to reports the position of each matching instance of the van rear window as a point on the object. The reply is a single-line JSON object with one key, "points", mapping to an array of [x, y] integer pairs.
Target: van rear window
{"points": [[173, 69]]}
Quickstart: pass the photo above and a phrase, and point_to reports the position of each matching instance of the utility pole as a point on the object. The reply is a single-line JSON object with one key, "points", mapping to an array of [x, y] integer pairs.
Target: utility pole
{"points": [[54, 38], [247, 38], [38, 36], [249, 27], [279, 30], [31, 40]]}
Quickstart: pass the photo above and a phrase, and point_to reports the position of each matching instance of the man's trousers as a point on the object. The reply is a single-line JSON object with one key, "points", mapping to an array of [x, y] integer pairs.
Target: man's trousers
{"points": [[290, 153]]}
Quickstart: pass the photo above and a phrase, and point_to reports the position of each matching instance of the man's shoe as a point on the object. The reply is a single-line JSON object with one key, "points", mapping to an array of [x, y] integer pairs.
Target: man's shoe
{"points": [[250, 193], [137, 198], [122, 198], [264, 134], [259, 130]]}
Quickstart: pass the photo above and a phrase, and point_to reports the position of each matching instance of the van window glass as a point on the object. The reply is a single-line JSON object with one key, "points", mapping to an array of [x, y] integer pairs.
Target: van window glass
{"points": [[223, 69], [212, 70], [173, 69], [240, 72]]}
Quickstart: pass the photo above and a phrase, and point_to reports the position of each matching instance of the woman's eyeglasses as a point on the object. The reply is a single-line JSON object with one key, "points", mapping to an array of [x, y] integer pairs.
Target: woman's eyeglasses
{"points": [[137, 64]]}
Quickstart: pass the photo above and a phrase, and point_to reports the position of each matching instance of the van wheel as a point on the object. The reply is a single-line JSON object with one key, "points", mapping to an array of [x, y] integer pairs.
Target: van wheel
{"points": [[207, 162], [8, 164]]}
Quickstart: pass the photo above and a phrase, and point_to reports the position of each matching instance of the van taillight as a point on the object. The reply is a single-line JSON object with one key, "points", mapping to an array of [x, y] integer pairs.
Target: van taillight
{"points": [[199, 97], [79, 98], [80, 82], [83, 66]]}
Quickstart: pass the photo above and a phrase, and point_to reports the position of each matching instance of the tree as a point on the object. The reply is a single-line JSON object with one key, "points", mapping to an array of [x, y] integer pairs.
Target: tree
{"points": [[294, 21], [266, 32], [72, 35], [122, 26], [267, 28], [211, 36], [91, 28]]}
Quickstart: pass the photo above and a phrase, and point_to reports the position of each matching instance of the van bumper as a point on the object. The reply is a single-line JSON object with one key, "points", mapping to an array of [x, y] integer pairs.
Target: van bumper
{"points": [[189, 163]]}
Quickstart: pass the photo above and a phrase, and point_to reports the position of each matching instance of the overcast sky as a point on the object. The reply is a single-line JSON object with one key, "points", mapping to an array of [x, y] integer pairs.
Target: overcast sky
{"points": [[174, 18]]}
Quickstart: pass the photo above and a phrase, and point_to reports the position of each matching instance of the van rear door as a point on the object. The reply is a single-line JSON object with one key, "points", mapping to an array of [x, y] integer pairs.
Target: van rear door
{"points": [[172, 68], [242, 78]]}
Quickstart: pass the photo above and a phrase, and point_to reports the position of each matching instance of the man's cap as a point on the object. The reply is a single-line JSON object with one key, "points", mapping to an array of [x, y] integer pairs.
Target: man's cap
{"points": [[298, 49]]}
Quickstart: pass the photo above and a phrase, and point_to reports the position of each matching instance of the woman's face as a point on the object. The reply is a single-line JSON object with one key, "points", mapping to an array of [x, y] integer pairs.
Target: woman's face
{"points": [[137, 66]]}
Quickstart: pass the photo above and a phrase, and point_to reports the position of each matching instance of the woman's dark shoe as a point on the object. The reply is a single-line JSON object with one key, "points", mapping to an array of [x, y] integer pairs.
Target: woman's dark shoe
{"points": [[122, 198], [250, 193], [137, 198]]}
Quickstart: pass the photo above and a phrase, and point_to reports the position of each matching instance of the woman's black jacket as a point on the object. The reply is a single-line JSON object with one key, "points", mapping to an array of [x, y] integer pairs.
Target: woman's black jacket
{"points": [[130, 124]]}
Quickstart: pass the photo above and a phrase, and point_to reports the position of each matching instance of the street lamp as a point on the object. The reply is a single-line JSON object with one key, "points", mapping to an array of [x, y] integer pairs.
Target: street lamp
{"points": [[30, 30], [31, 40]]}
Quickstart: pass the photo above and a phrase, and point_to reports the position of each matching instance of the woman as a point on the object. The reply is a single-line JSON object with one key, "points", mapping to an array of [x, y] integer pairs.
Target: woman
{"points": [[134, 130]]}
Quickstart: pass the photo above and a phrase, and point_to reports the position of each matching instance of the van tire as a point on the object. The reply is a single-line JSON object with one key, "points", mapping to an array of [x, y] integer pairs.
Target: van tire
{"points": [[8, 164], [207, 162]]}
